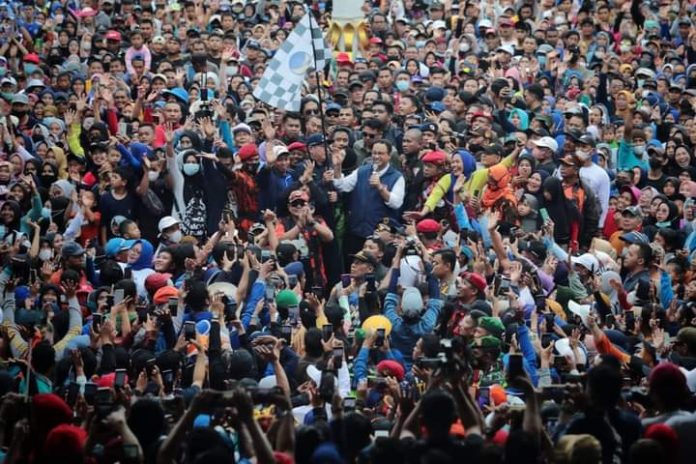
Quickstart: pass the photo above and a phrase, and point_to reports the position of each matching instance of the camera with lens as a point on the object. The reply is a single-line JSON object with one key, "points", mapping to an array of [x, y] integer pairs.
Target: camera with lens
{"points": [[411, 246]]}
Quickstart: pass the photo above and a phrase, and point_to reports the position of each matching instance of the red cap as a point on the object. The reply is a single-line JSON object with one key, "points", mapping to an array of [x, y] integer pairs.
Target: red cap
{"points": [[491, 31], [155, 281], [375, 40], [428, 226], [163, 295], [434, 157], [297, 146], [113, 35], [505, 22], [392, 369], [32, 58], [248, 150], [481, 114], [343, 58], [477, 280]]}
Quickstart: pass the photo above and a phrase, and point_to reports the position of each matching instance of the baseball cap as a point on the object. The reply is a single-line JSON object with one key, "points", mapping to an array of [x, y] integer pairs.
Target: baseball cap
{"points": [[546, 142], [166, 222], [426, 226], [633, 211], [588, 261], [21, 99], [315, 139], [113, 35], [635, 237], [72, 249], [365, 257]]}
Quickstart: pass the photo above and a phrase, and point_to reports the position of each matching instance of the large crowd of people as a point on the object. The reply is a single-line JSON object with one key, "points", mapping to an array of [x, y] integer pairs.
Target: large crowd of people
{"points": [[473, 243]]}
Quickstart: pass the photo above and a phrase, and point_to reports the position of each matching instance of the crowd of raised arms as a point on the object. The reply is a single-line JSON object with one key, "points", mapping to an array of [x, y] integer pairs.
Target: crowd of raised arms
{"points": [[475, 242]]}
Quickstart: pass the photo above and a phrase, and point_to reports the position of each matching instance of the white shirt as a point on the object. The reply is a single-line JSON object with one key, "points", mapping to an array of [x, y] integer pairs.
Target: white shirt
{"points": [[396, 195], [598, 180]]}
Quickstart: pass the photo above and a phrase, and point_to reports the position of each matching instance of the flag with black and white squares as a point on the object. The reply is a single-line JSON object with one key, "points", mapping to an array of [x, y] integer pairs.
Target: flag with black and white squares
{"points": [[281, 83]]}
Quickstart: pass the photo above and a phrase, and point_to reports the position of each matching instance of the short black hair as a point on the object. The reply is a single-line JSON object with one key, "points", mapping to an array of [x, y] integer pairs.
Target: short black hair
{"points": [[448, 257]]}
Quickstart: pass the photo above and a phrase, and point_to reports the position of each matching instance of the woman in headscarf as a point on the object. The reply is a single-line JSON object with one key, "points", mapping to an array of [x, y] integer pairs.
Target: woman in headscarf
{"points": [[528, 213], [562, 212], [140, 258], [519, 119], [535, 183], [58, 155], [498, 190]]}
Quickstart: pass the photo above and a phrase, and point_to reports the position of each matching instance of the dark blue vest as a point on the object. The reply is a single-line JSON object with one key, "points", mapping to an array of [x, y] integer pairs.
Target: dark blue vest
{"points": [[367, 208]]}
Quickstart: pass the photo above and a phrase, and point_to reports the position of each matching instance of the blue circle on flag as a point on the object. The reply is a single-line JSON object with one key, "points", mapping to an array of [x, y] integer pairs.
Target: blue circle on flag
{"points": [[300, 62]]}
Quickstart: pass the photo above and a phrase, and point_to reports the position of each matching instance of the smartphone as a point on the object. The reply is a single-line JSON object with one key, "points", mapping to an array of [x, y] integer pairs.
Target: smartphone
{"points": [[168, 380], [559, 362], [73, 392], [349, 403], [150, 365], [261, 395], [485, 393], [540, 302], [550, 321], [294, 314], [326, 332], [173, 305], [370, 280], [32, 276], [345, 280], [90, 393], [123, 129], [270, 293], [103, 396], [142, 316], [189, 330], [338, 357], [546, 339], [553, 392], [515, 368], [231, 310], [292, 281], [544, 214], [130, 452], [110, 301], [97, 320], [318, 292], [118, 295], [379, 342], [630, 320], [286, 333], [476, 193], [119, 378], [609, 321], [63, 299], [504, 286]]}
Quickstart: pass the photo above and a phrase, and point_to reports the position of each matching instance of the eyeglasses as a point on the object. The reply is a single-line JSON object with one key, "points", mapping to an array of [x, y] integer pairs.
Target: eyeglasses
{"points": [[367, 135], [311, 112], [298, 203]]}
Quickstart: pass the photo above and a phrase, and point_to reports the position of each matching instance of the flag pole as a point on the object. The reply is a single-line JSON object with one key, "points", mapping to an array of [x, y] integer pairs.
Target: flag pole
{"points": [[312, 19]]}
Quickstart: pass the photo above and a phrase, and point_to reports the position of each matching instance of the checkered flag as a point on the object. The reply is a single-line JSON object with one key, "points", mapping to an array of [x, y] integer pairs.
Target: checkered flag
{"points": [[281, 83]]}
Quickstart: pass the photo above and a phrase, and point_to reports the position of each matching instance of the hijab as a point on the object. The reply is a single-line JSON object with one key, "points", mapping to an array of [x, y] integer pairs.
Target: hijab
{"points": [[501, 177]]}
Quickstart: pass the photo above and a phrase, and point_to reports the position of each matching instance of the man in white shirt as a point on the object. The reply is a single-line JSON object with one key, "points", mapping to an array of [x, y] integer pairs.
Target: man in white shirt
{"points": [[594, 176], [376, 192]]}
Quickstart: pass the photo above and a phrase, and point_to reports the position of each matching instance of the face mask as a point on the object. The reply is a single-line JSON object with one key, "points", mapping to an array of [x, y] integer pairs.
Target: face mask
{"points": [[232, 70], [625, 48], [45, 213], [175, 237], [655, 163], [3, 230], [641, 82], [46, 254], [47, 179], [153, 175], [402, 85], [464, 47], [191, 169], [251, 167], [19, 113], [420, 43], [3, 71], [7, 95], [639, 149], [29, 68]]}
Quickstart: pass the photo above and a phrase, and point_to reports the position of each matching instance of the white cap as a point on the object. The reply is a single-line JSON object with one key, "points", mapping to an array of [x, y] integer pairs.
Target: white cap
{"points": [[485, 23], [166, 222], [280, 150], [546, 142], [439, 24], [588, 261], [580, 310], [507, 49]]}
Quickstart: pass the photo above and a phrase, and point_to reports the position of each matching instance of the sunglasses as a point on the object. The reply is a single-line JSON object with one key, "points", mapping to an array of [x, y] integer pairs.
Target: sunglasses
{"points": [[298, 203]]}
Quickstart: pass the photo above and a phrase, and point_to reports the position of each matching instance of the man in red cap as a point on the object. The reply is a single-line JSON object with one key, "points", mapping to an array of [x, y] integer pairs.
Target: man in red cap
{"points": [[433, 170], [245, 185], [472, 287], [429, 233]]}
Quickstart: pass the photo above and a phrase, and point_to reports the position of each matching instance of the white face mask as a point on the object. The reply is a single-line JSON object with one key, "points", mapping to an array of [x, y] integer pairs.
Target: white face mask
{"points": [[464, 47], [153, 175], [175, 237], [46, 254]]}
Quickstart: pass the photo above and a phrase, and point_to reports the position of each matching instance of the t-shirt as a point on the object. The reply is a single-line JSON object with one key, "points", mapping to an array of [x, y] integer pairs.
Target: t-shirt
{"points": [[111, 207]]}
